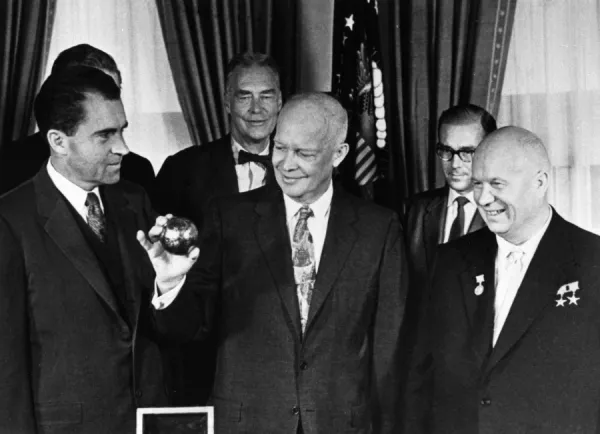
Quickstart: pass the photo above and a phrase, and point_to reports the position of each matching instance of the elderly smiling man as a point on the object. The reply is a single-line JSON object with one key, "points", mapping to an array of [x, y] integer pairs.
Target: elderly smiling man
{"points": [[512, 340], [311, 284]]}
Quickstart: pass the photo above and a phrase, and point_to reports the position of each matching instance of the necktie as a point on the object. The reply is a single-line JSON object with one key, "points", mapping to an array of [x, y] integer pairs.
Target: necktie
{"points": [[263, 160], [303, 258], [506, 290], [95, 216], [456, 230]]}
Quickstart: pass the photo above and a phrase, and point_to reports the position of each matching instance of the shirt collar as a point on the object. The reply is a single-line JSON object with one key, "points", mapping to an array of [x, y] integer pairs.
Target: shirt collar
{"points": [[320, 207], [453, 194], [528, 247], [236, 148], [73, 193]]}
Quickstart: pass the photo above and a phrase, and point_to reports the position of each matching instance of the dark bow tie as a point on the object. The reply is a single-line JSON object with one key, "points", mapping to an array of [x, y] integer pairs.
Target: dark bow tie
{"points": [[246, 157]]}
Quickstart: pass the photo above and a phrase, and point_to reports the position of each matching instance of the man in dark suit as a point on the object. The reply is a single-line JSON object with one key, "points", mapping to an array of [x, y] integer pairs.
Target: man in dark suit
{"points": [[306, 285], [78, 353], [238, 162], [22, 159], [511, 343], [437, 216]]}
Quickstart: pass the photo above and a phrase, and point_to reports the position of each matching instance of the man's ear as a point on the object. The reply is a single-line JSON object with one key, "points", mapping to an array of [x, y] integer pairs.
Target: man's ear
{"points": [[541, 181], [58, 141], [339, 153]]}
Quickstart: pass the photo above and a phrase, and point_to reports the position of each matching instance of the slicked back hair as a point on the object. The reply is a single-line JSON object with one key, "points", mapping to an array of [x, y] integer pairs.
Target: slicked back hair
{"points": [[247, 60], [85, 55], [59, 103], [467, 114]]}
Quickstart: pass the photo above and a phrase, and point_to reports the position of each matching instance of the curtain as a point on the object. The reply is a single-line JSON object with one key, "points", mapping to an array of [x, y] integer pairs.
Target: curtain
{"points": [[552, 87], [440, 53], [201, 36], [27, 27], [130, 32]]}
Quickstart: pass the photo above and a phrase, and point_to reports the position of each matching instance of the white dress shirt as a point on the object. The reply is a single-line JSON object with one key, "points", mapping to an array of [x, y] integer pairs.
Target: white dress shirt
{"points": [[509, 279], [249, 175], [317, 225], [470, 209], [74, 194]]}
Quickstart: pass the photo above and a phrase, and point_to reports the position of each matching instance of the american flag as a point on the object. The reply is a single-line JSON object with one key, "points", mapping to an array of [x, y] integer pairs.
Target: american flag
{"points": [[357, 83]]}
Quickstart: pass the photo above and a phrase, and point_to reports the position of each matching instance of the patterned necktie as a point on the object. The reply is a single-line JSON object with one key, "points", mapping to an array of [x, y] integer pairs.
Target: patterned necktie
{"points": [[303, 257], [95, 216], [456, 231]]}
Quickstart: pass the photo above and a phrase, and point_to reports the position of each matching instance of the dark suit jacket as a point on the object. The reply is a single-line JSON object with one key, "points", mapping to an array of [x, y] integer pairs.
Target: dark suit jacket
{"points": [[22, 159], [342, 376], [543, 375], [188, 180], [425, 223], [69, 361]]}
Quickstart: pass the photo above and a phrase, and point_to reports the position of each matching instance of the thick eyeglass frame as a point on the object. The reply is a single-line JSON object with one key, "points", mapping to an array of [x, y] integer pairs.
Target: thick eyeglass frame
{"points": [[446, 153]]}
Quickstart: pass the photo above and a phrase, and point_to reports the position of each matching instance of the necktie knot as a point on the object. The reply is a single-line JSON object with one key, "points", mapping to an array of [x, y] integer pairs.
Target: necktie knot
{"points": [[456, 230], [305, 213], [461, 201], [247, 157], [515, 257], [95, 217]]}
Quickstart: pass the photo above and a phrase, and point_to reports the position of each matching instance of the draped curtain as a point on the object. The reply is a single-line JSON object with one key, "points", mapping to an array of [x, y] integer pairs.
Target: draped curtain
{"points": [[27, 25], [201, 36], [552, 87], [441, 53], [130, 32]]}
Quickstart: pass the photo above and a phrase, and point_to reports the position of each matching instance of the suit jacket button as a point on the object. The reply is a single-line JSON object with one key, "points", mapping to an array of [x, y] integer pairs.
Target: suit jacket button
{"points": [[295, 410], [486, 401], [138, 394], [304, 366]]}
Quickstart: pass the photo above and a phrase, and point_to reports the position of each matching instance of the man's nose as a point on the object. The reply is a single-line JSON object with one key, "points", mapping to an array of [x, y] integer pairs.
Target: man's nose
{"points": [[255, 105], [120, 147], [456, 161], [484, 196]]}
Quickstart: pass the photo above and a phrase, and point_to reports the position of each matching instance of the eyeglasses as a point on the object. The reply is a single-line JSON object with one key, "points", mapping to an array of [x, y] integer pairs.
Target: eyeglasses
{"points": [[446, 153]]}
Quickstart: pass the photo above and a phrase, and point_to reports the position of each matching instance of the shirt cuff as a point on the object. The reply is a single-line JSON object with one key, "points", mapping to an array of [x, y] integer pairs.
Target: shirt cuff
{"points": [[161, 302]]}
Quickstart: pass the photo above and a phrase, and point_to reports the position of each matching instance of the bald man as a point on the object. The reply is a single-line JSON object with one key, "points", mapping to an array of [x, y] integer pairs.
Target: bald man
{"points": [[512, 343], [311, 284]]}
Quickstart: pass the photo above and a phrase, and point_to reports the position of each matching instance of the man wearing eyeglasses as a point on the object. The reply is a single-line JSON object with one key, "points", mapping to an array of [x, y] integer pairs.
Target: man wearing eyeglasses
{"points": [[438, 216]]}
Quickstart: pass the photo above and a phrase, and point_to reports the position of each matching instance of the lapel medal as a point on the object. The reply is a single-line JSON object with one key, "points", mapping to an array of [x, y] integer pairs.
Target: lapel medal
{"points": [[479, 287], [564, 297]]}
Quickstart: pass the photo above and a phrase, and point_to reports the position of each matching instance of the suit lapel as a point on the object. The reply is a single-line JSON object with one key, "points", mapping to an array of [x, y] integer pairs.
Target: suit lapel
{"points": [[223, 176], [545, 274], [480, 308], [131, 253], [273, 239], [434, 222], [339, 240], [62, 228]]}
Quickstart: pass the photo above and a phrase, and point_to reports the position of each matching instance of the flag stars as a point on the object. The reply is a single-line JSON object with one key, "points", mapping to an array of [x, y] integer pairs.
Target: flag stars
{"points": [[350, 22], [560, 302]]}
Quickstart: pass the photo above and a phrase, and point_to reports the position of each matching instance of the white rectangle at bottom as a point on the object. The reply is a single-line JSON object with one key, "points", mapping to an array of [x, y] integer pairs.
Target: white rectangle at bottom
{"points": [[175, 420]]}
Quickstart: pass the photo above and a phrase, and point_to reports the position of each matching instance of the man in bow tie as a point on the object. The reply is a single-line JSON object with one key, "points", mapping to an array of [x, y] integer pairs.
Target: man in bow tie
{"points": [[305, 285], [510, 342], [238, 162], [235, 163]]}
